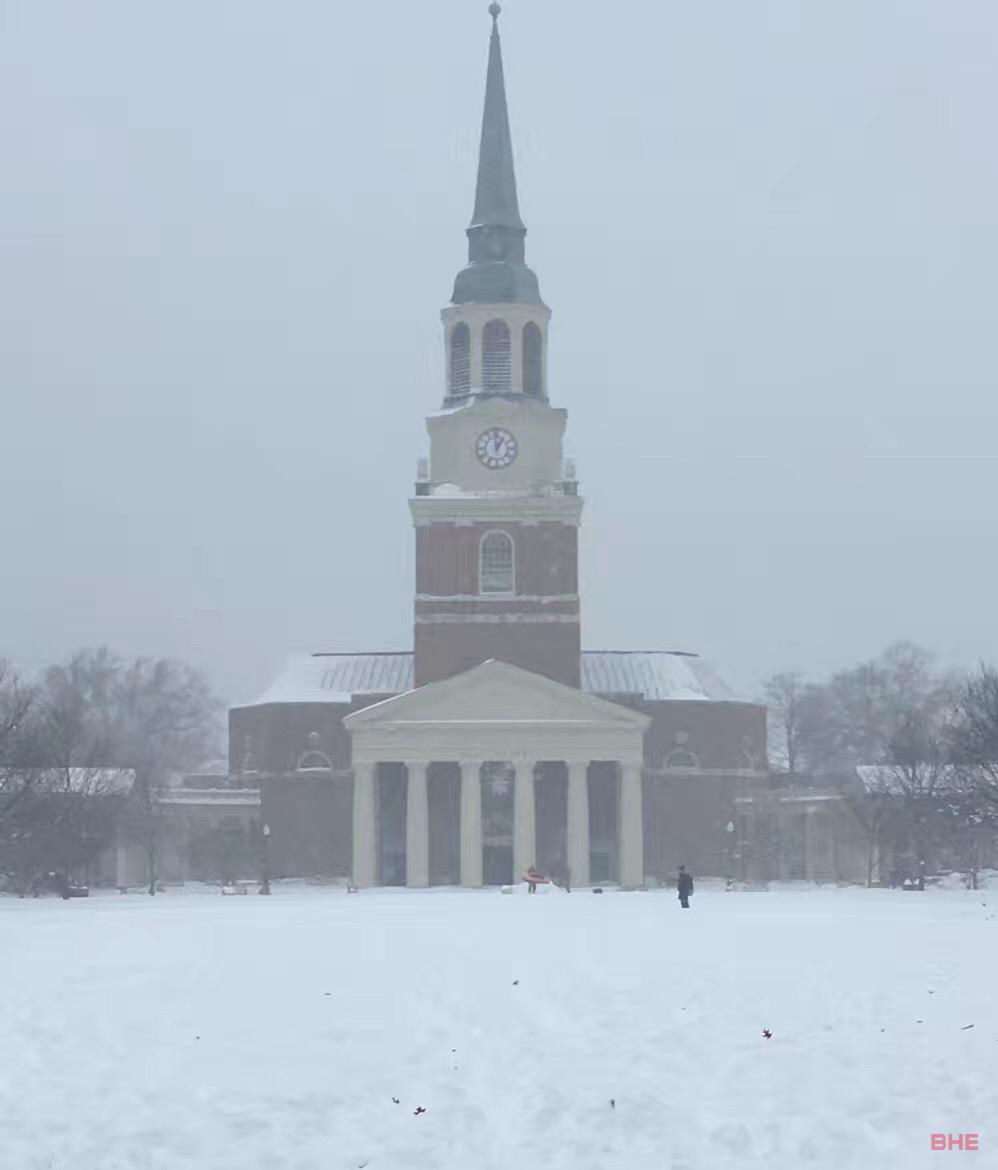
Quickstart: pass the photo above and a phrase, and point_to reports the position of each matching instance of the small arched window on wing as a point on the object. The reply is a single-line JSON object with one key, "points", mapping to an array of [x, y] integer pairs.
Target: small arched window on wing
{"points": [[315, 762], [681, 759]]}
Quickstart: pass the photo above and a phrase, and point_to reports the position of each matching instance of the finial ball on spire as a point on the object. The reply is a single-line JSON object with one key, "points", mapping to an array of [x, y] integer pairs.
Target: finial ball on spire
{"points": [[494, 10]]}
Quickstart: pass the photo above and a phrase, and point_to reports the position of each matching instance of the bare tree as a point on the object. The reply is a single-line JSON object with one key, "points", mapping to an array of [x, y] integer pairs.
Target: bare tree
{"points": [[156, 716], [975, 731], [920, 777], [871, 803], [784, 695], [17, 778], [853, 718]]}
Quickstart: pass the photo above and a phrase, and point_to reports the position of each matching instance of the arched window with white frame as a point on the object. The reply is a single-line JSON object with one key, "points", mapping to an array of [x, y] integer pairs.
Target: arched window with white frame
{"points": [[496, 568]]}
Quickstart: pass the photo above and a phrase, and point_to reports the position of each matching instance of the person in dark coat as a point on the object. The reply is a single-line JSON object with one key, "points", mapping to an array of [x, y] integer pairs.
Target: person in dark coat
{"points": [[685, 887]]}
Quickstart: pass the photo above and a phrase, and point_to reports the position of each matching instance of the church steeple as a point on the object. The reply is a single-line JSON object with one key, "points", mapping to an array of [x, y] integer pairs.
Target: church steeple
{"points": [[495, 196], [497, 272]]}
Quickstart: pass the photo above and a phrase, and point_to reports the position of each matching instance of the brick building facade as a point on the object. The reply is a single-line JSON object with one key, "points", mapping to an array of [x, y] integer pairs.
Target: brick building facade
{"points": [[497, 742]]}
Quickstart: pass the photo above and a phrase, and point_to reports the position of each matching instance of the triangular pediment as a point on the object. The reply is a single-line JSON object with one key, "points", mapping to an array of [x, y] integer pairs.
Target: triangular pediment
{"points": [[498, 693]]}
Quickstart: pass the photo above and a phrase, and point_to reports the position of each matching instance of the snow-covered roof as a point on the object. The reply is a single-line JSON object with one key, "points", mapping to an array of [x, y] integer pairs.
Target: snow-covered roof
{"points": [[654, 675], [338, 678], [224, 797], [650, 674]]}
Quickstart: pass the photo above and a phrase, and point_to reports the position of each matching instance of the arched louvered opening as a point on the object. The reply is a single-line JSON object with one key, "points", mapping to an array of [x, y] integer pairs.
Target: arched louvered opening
{"points": [[496, 364], [533, 360], [681, 758], [315, 762], [496, 569], [460, 359]]}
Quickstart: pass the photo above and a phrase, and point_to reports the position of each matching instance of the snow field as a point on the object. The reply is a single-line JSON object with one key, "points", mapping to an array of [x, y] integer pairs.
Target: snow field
{"points": [[273, 1034]]}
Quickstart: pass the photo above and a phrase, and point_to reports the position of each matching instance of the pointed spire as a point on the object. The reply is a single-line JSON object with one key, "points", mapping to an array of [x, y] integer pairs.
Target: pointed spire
{"points": [[497, 271], [495, 198]]}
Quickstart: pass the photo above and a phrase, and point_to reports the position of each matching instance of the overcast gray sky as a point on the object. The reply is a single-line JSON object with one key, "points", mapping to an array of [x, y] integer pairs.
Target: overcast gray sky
{"points": [[768, 232]]}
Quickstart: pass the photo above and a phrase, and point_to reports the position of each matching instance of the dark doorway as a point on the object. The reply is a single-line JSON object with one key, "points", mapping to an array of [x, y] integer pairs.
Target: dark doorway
{"points": [[444, 797], [604, 799], [497, 823], [551, 809], [390, 814], [794, 847]]}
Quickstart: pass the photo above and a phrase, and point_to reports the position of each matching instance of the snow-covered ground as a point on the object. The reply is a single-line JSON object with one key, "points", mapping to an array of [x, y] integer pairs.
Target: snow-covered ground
{"points": [[205, 1032]]}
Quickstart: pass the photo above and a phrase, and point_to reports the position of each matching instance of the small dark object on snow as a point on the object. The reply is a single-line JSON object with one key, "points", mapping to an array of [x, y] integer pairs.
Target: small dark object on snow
{"points": [[966, 1027], [767, 1034], [419, 1109], [396, 1100], [613, 1103], [931, 992], [197, 1037], [516, 982], [598, 890], [918, 1021]]}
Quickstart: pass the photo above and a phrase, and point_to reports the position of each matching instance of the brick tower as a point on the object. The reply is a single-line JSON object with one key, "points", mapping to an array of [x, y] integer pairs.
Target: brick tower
{"points": [[496, 508]]}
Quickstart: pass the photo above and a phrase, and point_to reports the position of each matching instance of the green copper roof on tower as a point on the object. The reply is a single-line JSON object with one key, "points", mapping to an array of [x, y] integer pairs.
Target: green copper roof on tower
{"points": [[495, 197], [497, 272]]}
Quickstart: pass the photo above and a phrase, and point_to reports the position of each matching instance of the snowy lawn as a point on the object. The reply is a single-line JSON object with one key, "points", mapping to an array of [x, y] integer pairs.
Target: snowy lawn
{"points": [[204, 1032]]}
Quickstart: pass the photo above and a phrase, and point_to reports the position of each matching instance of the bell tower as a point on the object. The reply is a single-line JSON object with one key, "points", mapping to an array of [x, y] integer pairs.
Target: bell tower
{"points": [[496, 506]]}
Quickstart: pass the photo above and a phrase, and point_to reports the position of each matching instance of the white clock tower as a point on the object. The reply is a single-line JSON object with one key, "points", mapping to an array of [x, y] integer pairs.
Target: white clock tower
{"points": [[496, 508]]}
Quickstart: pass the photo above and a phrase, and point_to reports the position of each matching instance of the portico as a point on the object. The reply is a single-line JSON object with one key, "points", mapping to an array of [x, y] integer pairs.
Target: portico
{"points": [[529, 764]]}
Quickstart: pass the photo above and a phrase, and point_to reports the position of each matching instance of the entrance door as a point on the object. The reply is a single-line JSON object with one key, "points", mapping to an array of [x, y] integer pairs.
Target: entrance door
{"points": [[444, 796], [551, 810], [391, 812], [497, 823], [604, 820]]}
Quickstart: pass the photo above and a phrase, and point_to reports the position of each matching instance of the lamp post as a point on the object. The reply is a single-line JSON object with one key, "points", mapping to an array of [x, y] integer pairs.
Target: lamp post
{"points": [[265, 884], [730, 830]]}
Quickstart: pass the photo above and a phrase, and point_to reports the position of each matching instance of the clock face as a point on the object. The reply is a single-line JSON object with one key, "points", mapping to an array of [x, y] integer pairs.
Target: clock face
{"points": [[496, 448]]}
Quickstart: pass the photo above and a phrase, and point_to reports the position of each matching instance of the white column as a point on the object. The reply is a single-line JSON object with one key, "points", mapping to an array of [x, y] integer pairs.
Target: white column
{"points": [[578, 823], [524, 827], [364, 842], [632, 845], [417, 827], [471, 824]]}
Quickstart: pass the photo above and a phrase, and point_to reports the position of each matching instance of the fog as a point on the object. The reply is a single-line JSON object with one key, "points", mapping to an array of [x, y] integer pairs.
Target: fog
{"points": [[767, 232]]}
